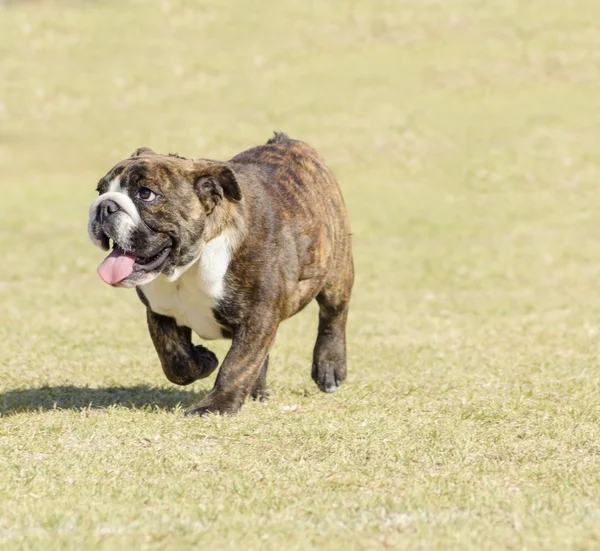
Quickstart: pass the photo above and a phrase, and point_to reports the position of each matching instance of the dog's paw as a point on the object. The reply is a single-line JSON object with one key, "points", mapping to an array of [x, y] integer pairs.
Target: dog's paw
{"points": [[205, 360], [214, 403], [199, 410], [259, 390], [328, 376], [260, 394]]}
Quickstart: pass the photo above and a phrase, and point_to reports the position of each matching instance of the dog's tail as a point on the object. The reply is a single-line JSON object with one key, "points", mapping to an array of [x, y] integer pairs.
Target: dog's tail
{"points": [[279, 137]]}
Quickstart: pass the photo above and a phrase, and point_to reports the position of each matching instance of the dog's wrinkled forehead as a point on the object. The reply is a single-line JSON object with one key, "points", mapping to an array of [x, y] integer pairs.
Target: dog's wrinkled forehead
{"points": [[131, 173]]}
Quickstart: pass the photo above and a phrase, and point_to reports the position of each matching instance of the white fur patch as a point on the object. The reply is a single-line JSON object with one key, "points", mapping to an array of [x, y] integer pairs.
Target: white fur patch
{"points": [[190, 296], [214, 262], [129, 215], [115, 185]]}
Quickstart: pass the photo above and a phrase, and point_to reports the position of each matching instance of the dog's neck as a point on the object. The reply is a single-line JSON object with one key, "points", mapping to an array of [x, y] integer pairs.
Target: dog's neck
{"points": [[224, 233]]}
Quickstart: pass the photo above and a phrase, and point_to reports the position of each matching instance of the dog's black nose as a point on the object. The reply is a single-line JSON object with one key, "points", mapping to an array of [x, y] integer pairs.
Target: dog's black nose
{"points": [[106, 208]]}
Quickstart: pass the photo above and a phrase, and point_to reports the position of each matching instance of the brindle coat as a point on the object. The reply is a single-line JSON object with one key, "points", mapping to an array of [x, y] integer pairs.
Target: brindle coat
{"points": [[293, 245]]}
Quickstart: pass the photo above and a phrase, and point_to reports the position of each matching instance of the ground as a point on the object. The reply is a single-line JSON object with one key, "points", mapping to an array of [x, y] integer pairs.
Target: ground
{"points": [[466, 137]]}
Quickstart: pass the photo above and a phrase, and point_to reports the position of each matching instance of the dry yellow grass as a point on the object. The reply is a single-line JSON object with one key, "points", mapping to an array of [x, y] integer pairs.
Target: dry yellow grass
{"points": [[466, 137]]}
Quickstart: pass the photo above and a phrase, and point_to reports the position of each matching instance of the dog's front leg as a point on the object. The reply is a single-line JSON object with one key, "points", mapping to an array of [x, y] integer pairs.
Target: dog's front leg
{"points": [[240, 370], [182, 362]]}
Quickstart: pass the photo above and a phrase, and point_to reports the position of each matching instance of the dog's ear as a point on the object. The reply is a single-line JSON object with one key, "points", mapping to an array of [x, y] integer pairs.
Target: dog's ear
{"points": [[142, 152], [214, 183]]}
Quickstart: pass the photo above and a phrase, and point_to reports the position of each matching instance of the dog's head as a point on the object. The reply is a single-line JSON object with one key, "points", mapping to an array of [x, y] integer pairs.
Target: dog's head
{"points": [[158, 211]]}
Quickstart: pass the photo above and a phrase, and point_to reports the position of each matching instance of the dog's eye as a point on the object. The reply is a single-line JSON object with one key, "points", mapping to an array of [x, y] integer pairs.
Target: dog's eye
{"points": [[146, 194]]}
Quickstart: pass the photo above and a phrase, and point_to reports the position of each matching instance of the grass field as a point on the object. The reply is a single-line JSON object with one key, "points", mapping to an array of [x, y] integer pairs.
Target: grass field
{"points": [[466, 137]]}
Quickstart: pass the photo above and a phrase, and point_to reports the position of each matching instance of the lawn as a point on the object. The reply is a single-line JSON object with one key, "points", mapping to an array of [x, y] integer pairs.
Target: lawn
{"points": [[466, 138]]}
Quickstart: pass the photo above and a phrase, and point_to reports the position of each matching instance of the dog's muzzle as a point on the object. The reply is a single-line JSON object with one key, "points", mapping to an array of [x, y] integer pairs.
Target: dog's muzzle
{"points": [[138, 254], [112, 215]]}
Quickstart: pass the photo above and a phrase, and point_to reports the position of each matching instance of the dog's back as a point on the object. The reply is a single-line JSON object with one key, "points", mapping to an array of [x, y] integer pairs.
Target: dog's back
{"points": [[306, 196]]}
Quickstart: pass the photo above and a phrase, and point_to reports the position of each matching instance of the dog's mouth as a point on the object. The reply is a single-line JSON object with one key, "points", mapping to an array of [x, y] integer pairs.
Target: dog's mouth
{"points": [[120, 265]]}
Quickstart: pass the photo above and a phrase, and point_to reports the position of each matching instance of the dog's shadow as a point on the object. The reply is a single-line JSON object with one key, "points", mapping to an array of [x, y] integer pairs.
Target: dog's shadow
{"points": [[79, 398]]}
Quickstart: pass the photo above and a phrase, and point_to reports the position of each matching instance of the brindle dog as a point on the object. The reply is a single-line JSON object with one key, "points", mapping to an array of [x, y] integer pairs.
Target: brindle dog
{"points": [[229, 250]]}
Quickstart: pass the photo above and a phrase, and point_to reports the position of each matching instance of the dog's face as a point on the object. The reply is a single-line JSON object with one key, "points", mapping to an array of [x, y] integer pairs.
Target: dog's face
{"points": [[158, 210]]}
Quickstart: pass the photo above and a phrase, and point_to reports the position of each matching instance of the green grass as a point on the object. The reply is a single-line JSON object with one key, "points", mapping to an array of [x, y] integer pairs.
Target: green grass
{"points": [[466, 137]]}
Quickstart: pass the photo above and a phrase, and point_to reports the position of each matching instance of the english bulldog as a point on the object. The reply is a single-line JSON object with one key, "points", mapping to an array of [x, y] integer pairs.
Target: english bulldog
{"points": [[229, 250]]}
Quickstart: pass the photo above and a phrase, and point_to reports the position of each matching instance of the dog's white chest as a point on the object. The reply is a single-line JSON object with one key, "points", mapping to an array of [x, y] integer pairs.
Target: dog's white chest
{"points": [[190, 299]]}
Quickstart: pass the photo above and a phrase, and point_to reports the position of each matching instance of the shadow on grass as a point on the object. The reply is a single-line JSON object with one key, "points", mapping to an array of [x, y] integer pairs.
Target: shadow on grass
{"points": [[75, 397]]}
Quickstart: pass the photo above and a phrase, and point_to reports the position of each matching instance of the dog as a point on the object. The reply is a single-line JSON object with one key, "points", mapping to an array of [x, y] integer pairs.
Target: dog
{"points": [[229, 250]]}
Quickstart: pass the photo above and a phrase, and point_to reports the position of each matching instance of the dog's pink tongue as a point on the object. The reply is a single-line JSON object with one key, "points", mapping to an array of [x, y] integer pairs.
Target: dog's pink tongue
{"points": [[116, 267]]}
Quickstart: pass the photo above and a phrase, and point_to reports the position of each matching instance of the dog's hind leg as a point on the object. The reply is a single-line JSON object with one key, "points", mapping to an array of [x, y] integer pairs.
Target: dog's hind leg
{"points": [[259, 390], [329, 355]]}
